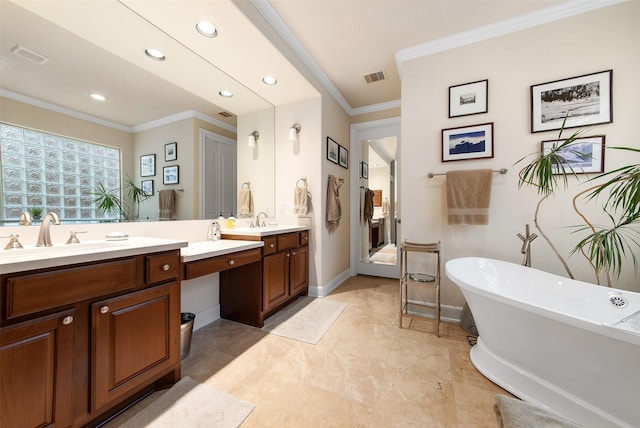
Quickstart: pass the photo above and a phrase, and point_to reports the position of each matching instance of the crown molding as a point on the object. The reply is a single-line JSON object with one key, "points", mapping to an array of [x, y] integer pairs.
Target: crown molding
{"points": [[507, 26], [187, 114], [375, 107]]}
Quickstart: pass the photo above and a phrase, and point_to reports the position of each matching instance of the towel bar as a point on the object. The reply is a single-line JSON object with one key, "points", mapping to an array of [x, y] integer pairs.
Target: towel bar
{"points": [[501, 171]]}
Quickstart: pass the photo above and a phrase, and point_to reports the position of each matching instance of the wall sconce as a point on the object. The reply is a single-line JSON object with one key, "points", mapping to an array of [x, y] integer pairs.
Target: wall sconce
{"points": [[253, 138], [294, 131]]}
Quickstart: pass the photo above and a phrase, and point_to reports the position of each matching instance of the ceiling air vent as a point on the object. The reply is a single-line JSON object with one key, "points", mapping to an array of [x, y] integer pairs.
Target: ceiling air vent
{"points": [[225, 114], [25, 53], [374, 77]]}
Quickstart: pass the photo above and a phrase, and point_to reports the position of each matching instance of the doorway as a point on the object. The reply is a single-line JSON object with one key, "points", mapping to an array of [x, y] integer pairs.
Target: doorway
{"points": [[375, 148], [218, 171]]}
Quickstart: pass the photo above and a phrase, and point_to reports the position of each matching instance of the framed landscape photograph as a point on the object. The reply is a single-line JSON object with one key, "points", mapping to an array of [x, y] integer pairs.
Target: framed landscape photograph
{"points": [[468, 142], [583, 156], [170, 152], [583, 100], [332, 150], [147, 165], [343, 156], [470, 98], [147, 187], [170, 175]]}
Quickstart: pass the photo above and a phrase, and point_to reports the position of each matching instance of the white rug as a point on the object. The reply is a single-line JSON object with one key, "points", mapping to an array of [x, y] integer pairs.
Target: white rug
{"points": [[385, 255], [306, 320], [192, 404]]}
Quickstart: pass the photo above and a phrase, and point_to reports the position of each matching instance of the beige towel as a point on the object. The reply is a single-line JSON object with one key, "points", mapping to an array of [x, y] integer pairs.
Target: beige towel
{"points": [[468, 196], [167, 201], [367, 213], [301, 199], [513, 413], [334, 210], [385, 207], [245, 203]]}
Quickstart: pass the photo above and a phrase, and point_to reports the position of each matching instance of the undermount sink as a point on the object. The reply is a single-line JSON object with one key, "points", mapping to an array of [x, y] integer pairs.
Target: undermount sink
{"points": [[87, 246], [263, 231]]}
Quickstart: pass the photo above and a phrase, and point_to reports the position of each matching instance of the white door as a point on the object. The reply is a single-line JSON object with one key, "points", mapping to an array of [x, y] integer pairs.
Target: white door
{"points": [[375, 245], [218, 170]]}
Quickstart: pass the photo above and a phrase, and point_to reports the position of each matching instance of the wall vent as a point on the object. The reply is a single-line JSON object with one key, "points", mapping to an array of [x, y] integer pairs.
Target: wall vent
{"points": [[28, 54], [225, 114], [374, 77]]}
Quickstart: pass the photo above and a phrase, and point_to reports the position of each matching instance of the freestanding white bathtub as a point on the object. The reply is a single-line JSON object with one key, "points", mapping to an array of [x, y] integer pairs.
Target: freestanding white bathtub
{"points": [[567, 345]]}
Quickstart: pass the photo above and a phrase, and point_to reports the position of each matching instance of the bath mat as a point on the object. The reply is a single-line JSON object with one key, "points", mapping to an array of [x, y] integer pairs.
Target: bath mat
{"points": [[306, 320], [192, 404]]}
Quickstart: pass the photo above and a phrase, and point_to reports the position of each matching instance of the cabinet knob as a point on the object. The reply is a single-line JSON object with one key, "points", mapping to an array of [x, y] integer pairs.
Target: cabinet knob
{"points": [[306, 238], [104, 309], [232, 262], [293, 252], [67, 320], [271, 245], [288, 254], [165, 267]]}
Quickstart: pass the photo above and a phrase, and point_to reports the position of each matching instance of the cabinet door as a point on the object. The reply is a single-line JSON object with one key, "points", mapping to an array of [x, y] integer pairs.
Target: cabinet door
{"points": [[299, 271], [36, 372], [275, 280], [136, 337]]}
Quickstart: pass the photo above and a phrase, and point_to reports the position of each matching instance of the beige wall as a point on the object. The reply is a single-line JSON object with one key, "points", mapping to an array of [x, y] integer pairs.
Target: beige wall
{"points": [[601, 40]]}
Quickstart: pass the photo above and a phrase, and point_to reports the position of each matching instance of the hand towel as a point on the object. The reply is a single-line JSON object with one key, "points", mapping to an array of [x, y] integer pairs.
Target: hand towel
{"points": [[367, 213], [245, 203], [468, 196], [334, 210], [385, 207], [301, 197], [166, 199]]}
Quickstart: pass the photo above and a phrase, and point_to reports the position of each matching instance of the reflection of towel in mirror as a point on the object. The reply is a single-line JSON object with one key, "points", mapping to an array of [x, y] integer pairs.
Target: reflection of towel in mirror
{"points": [[468, 196], [301, 197], [245, 203], [385, 207], [367, 211], [334, 210], [166, 200]]}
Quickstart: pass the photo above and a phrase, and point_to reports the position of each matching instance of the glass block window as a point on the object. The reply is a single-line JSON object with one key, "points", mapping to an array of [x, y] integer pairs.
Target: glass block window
{"points": [[55, 173]]}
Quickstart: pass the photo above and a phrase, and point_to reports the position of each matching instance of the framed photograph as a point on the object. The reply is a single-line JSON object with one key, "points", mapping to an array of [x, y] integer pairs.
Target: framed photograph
{"points": [[332, 150], [147, 187], [364, 170], [585, 155], [468, 142], [170, 175], [343, 155], [147, 165], [170, 152], [469, 98], [583, 100]]}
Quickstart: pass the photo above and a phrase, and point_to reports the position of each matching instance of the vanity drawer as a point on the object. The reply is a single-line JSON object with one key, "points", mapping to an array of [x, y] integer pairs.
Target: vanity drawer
{"points": [[288, 240], [304, 237], [37, 292], [270, 245], [220, 263], [162, 266]]}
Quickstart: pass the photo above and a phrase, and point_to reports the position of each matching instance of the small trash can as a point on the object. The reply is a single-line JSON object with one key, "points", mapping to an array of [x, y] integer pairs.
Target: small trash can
{"points": [[186, 328]]}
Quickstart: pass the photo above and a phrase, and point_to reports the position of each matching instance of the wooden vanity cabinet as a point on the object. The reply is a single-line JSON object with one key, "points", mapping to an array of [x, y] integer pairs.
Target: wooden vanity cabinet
{"points": [[77, 342]]}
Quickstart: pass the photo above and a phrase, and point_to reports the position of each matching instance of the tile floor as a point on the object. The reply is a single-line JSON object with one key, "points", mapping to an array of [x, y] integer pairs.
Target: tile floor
{"points": [[365, 372]]}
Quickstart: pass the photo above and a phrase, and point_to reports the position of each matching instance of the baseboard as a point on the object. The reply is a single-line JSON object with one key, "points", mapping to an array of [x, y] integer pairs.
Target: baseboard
{"points": [[447, 313], [206, 317], [326, 289]]}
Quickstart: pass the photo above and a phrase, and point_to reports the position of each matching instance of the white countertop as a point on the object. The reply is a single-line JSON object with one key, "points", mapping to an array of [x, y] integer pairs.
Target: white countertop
{"points": [[31, 257], [205, 249], [263, 231]]}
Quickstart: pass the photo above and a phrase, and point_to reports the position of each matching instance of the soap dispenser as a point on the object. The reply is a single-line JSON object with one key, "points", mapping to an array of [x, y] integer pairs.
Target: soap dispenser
{"points": [[231, 221]]}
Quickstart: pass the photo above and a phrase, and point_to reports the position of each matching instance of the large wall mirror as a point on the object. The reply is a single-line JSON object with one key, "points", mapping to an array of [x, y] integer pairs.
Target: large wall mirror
{"points": [[55, 54]]}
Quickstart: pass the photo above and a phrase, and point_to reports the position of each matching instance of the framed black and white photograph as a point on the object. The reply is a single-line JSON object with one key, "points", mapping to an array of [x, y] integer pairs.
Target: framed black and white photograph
{"points": [[583, 156], [170, 152], [147, 165], [469, 98], [468, 142], [147, 187], [343, 156], [364, 170], [332, 150], [583, 100], [170, 175]]}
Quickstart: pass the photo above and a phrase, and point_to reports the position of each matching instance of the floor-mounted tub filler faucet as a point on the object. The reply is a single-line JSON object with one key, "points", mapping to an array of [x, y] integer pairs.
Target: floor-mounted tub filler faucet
{"points": [[44, 237], [526, 245]]}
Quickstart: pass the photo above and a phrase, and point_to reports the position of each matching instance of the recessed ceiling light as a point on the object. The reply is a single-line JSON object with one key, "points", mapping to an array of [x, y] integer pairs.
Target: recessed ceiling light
{"points": [[155, 54], [98, 97], [207, 29], [226, 94], [269, 80]]}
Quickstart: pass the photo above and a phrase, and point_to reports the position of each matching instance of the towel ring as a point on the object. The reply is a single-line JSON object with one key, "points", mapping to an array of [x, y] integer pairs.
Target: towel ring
{"points": [[248, 185], [304, 182]]}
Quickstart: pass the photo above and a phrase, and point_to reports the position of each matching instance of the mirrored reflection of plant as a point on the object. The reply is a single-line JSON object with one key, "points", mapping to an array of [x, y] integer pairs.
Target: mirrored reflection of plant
{"points": [[109, 201]]}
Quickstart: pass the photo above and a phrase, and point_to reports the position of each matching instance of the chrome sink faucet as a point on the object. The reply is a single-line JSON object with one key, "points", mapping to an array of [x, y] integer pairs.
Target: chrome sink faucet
{"points": [[258, 218], [44, 237]]}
